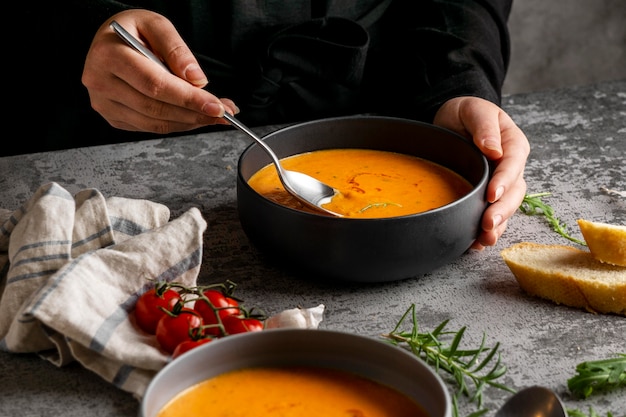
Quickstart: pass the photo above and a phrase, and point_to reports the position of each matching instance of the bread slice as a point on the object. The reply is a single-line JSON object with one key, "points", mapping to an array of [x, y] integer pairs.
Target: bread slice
{"points": [[606, 242], [568, 276]]}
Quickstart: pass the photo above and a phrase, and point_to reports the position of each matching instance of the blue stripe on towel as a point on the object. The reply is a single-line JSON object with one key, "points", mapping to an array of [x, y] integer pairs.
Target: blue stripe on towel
{"points": [[93, 236], [12, 221], [31, 275], [122, 375], [126, 226], [42, 258], [106, 330], [55, 282], [43, 243]]}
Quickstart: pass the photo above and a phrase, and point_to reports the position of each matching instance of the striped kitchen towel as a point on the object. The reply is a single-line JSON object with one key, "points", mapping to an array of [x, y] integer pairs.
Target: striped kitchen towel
{"points": [[71, 269]]}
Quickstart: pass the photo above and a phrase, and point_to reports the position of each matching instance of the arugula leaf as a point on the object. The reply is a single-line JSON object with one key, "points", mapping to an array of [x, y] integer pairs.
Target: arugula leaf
{"points": [[598, 375], [533, 205]]}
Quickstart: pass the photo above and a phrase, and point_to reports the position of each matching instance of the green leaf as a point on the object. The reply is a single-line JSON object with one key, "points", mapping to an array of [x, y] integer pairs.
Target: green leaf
{"points": [[533, 205], [598, 375]]}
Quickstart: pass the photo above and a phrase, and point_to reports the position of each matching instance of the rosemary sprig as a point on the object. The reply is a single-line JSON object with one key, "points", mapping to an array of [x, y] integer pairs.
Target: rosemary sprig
{"points": [[598, 375], [383, 205], [467, 366], [533, 205]]}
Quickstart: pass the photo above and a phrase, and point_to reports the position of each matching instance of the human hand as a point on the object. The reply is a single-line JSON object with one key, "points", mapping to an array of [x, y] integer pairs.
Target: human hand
{"points": [[133, 93], [503, 143]]}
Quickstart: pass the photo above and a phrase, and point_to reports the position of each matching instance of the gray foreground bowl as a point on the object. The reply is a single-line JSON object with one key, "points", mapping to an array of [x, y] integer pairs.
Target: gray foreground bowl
{"points": [[365, 356], [364, 250]]}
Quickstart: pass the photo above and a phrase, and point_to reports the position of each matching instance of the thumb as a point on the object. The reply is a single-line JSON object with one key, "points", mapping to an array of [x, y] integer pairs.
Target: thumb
{"points": [[165, 40], [482, 121]]}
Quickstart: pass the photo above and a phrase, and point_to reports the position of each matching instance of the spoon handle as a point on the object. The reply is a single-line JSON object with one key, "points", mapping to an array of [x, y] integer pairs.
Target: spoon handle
{"points": [[233, 120], [135, 44]]}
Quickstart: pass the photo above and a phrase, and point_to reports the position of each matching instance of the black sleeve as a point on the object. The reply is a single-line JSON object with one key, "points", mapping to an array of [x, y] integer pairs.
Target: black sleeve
{"points": [[74, 24], [64, 31], [442, 49]]}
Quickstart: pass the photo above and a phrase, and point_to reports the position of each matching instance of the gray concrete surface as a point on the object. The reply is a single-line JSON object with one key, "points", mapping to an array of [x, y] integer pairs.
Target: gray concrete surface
{"points": [[565, 43], [579, 145]]}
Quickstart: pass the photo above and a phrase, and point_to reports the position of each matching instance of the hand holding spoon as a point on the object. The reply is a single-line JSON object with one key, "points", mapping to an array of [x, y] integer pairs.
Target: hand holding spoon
{"points": [[306, 189]]}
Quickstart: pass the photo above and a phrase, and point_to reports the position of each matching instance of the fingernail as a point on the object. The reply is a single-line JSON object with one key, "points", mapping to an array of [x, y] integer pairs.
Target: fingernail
{"points": [[497, 219], [491, 144], [499, 192], [195, 75], [213, 109], [477, 247]]}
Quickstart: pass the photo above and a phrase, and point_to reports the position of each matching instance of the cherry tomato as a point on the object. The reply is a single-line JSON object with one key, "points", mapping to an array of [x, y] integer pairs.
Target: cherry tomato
{"points": [[187, 345], [148, 310], [181, 325], [238, 324], [217, 301]]}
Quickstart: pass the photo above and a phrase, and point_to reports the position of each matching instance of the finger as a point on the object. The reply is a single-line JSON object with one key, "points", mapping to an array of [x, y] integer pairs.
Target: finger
{"points": [[230, 106], [123, 105], [152, 81], [481, 119], [127, 118], [509, 169], [177, 55], [126, 108], [506, 206], [490, 237], [162, 38]]}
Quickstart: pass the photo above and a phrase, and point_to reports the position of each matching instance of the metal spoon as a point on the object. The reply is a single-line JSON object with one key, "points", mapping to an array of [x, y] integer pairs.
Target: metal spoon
{"points": [[306, 189], [533, 401]]}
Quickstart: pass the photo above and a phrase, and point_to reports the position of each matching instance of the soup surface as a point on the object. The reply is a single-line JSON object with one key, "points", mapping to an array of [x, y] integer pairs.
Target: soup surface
{"points": [[372, 183], [291, 392]]}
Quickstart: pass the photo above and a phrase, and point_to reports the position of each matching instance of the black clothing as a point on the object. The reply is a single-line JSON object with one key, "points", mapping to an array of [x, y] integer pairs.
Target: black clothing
{"points": [[290, 61]]}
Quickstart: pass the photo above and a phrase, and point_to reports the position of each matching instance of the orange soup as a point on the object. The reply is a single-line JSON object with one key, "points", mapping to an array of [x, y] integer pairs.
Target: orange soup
{"points": [[291, 392], [372, 183]]}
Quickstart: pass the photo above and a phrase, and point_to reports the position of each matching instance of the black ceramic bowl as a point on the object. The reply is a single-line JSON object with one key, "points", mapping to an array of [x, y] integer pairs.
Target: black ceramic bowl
{"points": [[364, 250], [365, 356]]}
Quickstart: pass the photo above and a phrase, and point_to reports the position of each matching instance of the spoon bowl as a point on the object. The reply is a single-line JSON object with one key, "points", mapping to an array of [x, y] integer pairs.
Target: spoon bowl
{"points": [[533, 401], [306, 189]]}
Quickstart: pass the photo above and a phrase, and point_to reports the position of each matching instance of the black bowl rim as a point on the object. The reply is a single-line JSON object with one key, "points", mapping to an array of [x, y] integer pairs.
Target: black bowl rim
{"points": [[483, 178], [297, 334]]}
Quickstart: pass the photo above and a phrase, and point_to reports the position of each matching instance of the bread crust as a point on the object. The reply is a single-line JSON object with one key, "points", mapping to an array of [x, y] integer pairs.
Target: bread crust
{"points": [[606, 242], [568, 276]]}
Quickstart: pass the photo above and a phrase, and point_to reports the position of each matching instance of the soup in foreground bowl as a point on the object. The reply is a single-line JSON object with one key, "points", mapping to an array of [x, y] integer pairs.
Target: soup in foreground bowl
{"points": [[291, 392], [372, 183]]}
